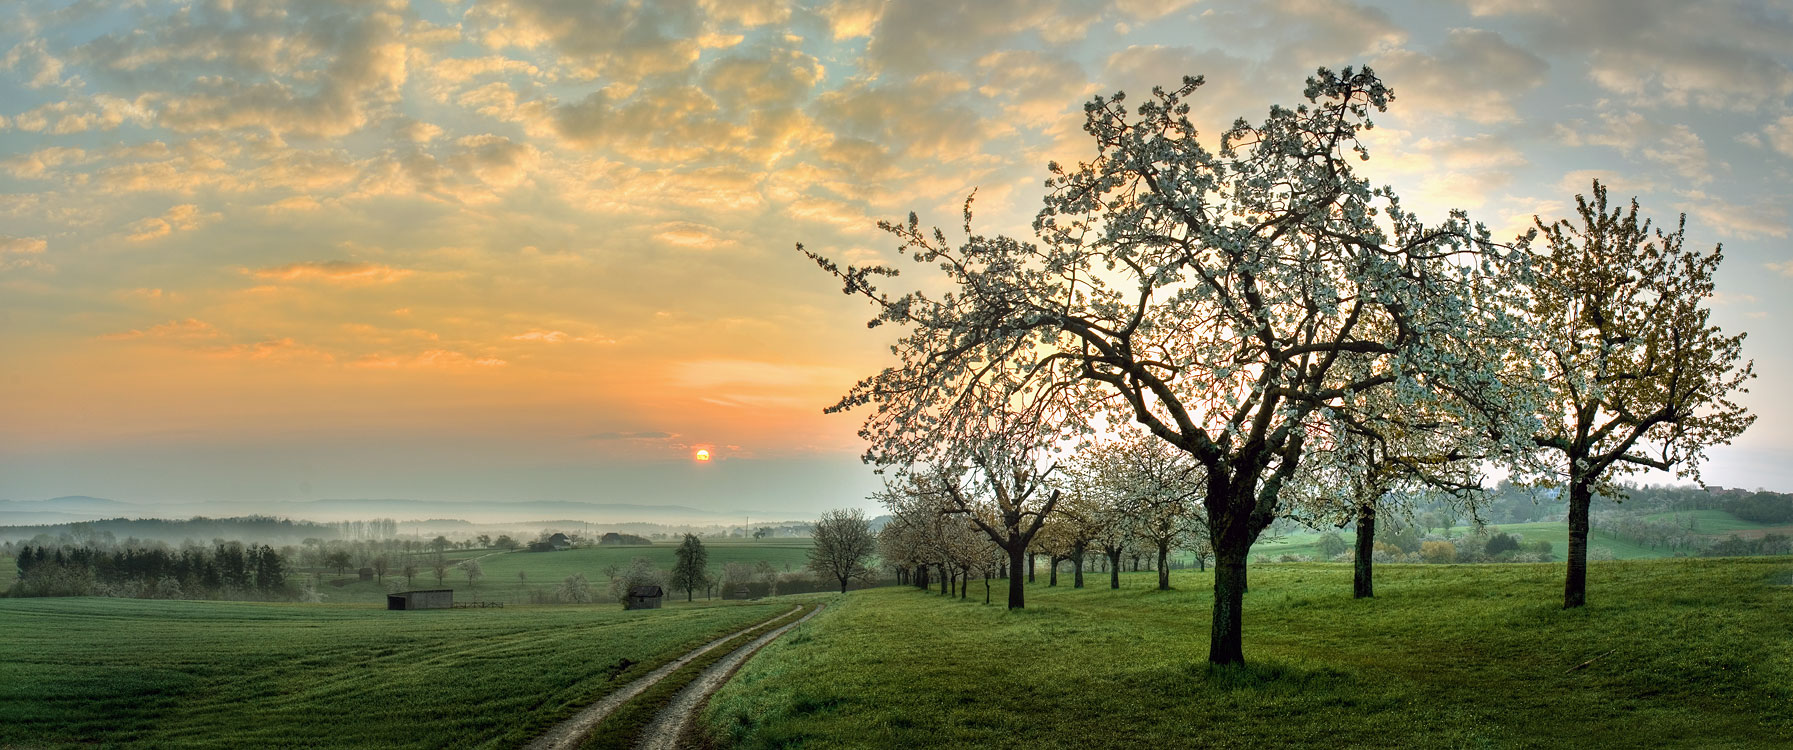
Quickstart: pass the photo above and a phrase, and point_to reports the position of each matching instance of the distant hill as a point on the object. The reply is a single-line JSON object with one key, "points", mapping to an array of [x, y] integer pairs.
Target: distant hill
{"points": [[67, 509]]}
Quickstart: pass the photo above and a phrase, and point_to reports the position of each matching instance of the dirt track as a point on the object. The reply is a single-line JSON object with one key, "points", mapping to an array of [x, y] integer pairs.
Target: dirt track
{"points": [[673, 721], [569, 733]]}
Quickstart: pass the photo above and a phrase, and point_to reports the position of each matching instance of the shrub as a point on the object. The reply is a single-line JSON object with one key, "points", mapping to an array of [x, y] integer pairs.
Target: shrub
{"points": [[1438, 552], [1499, 543]]}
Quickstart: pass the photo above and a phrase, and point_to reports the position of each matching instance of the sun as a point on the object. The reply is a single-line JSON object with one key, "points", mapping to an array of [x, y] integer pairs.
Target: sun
{"points": [[703, 455]]}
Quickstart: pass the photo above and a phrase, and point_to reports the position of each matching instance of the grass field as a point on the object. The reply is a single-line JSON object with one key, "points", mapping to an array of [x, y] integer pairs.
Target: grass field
{"points": [[545, 570], [1710, 522], [1689, 653], [1555, 532], [83, 672]]}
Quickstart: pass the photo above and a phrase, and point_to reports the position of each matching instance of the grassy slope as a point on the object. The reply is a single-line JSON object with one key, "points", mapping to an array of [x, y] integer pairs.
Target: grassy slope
{"points": [[547, 569], [1707, 521], [228, 674], [1555, 532], [1686, 653]]}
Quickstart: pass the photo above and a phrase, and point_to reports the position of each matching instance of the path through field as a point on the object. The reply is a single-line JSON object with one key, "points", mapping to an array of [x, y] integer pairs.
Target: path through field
{"points": [[569, 733], [673, 720]]}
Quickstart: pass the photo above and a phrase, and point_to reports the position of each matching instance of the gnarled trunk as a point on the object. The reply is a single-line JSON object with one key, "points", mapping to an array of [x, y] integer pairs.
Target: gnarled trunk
{"points": [[1164, 566], [1018, 594], [1581, 495], [1225, 644], [1077, 567], [1114, 569], [1361, 587]]}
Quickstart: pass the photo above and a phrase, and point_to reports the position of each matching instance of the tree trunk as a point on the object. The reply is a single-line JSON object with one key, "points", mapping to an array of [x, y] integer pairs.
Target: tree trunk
{"points": [[1030, 564], [964, 582], [943, 581], [986, 586], [1114, 570], [1225, 645], [1575, 588], [1361, 586], [843, 585], [1053, 581], [1201, 562], [1077, 569], [1018, 594], [1164, 566]]}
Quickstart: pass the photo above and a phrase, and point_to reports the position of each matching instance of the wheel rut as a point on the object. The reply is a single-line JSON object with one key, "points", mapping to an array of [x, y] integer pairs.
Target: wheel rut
{"points": [[669, 728], [568, 734]]}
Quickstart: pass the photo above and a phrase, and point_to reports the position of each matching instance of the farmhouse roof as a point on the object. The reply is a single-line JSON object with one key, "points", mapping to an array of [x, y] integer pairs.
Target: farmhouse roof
{"points": [[646, 591]]}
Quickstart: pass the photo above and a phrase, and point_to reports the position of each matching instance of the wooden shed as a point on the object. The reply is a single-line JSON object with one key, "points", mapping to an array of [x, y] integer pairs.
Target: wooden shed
{"points": [[644, 597], [431, 599]]}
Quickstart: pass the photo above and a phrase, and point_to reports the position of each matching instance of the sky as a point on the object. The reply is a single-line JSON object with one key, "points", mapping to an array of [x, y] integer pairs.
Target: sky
{"points": [[544, 249]]}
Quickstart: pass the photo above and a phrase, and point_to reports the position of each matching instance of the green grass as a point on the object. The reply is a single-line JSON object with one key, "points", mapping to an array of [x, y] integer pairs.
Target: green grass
{"points": [[545, 570], [231, 674], [1713, 522], [1686, 653], [1555, 532]]}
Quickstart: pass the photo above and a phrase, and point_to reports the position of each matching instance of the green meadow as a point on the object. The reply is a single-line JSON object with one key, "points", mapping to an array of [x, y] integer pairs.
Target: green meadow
{"points": [[1688, 653], [110, 672], [543, 571]]}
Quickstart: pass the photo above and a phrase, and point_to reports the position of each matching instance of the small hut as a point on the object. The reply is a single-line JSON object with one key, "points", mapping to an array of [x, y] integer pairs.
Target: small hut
{"points": [[366, 574], [644, 597], [431, 599]]}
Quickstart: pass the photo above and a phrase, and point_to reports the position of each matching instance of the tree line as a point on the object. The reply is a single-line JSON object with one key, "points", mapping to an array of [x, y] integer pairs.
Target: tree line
{"points": [[226, 571]]}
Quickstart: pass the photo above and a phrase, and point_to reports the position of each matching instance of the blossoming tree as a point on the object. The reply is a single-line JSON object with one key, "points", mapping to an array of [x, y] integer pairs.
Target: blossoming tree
{"points": [[1208, 295]]}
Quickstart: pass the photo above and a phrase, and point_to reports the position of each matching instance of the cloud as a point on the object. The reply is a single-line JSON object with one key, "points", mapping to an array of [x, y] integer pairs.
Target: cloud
{"points": [[1737, 219], [1667, 52], [189, 329], [40, 163], [1676, 147], [1779, 135], [333, 272], [918, 36], [10, 245], [433, 359], [630, 436], [559, 337], [615, 39], [767, 79], [318, 69], [82, 113], [1474, 74], [181, 218]]}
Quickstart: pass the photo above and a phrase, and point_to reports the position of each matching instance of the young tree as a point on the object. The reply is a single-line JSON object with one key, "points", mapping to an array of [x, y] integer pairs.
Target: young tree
{"points": [[410, 574], [843, 544], [440, 568], [574, 589], [691, 571], [1636, 375], [1207, 294], [474, 572], [381, 564], [339, 560]]}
